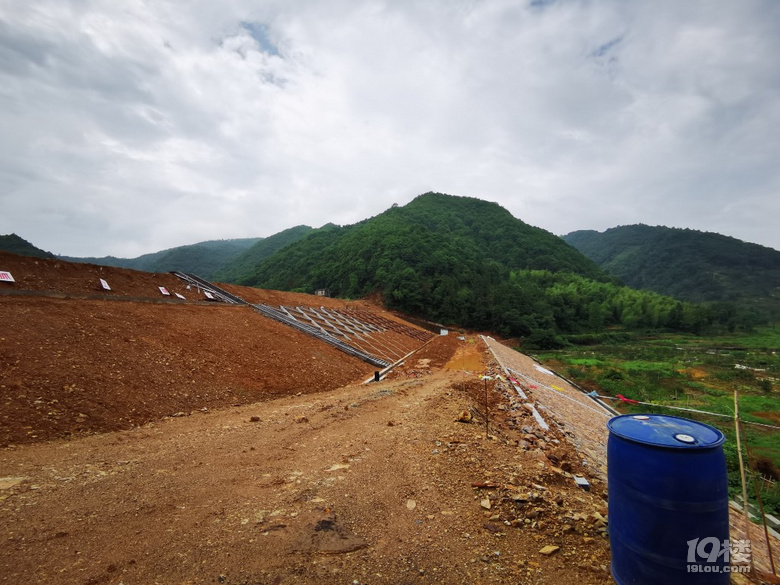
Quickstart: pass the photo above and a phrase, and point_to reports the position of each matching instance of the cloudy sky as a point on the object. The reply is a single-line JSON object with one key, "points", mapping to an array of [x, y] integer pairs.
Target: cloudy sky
{"points": [[131, 126]]}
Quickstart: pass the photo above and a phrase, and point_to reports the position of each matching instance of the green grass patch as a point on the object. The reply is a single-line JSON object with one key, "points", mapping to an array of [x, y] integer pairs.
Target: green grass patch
{"points": [[765, 338], [654, 369], [586, 362]]}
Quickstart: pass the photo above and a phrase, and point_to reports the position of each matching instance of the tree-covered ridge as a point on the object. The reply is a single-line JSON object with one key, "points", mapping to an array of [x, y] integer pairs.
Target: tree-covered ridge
{"points": [[203, 258], [683, 263], [446, 241], [463, 261], [18, 245], [243, 265]]}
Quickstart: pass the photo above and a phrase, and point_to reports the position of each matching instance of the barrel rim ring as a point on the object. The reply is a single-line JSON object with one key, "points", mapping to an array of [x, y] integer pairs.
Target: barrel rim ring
{"points": [[682, 446]]}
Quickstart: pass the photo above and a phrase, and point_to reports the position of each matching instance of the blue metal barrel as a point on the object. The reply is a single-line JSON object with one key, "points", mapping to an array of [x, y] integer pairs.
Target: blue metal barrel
{"points": [[668, 501]]}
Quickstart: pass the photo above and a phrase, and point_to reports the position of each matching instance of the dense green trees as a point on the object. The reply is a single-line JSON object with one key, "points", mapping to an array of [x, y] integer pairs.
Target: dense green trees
{"points": [[463, 261], [244, 262], [686, 264]]}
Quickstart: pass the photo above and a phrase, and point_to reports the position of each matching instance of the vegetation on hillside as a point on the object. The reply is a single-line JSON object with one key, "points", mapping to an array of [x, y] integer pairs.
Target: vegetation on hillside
{"points": [[246, 261], [683, 263], [203, 258], [18, 245], [464, 261]]}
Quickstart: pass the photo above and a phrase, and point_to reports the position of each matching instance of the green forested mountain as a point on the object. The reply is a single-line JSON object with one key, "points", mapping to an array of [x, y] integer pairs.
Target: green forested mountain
{"points": [[17, 245], [459, 260], [686, 264], [445, 240], [245, 262], [203, 258]]}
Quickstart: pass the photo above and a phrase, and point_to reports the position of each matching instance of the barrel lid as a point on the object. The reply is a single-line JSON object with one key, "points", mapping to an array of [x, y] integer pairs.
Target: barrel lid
{"points": [[665, 431]]}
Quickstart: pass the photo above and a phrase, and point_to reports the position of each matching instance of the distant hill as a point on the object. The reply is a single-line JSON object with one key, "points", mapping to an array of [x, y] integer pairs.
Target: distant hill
{"points": [[203, 258], [243, 265], [17, 245], [683, 263], [461, 261], [435, 235], [454, 260]]}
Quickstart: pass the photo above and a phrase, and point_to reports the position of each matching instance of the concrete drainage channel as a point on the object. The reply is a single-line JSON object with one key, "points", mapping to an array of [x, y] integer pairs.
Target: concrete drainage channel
{"points": [[527, 405], [530, 406]]}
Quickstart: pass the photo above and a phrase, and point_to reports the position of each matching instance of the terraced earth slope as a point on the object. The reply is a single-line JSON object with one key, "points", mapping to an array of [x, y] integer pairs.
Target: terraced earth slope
{"points": [[77, 359]]}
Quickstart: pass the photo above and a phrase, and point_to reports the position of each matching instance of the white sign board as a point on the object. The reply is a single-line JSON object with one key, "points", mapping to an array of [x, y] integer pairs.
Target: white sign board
{"points": [[444, 332], [104, 285], [164, 291], [6, 277], [180, 296], [208, 295]]}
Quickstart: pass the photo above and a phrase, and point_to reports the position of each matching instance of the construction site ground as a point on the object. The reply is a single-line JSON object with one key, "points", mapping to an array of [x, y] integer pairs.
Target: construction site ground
{"points": [[147, 440]]}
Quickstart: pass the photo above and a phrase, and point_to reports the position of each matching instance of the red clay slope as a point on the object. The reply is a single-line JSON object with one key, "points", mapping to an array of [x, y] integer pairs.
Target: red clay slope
{"points": [[77, 360]]}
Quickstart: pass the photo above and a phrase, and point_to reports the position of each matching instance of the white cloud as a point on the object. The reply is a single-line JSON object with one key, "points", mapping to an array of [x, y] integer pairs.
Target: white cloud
{"points": [[137, 126]]}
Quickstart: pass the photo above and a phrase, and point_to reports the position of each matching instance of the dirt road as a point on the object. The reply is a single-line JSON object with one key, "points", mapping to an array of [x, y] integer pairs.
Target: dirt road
{"points": [[362, 484]]}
